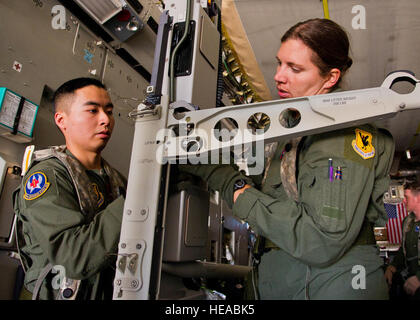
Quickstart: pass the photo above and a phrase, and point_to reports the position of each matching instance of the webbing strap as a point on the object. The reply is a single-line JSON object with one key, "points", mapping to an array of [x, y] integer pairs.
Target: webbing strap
{"points": [[42, 276]]}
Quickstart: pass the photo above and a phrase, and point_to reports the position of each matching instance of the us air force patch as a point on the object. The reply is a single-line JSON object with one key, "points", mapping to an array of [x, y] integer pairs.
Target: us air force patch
{"points": [[363, 144], [35, 186]]}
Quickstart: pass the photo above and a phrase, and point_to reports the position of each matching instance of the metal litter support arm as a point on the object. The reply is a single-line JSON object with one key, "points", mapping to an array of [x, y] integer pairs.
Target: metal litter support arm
{"points": [[319, 113]]}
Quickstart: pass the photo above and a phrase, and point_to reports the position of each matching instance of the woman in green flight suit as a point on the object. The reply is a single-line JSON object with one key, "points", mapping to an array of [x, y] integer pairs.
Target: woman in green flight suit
{"points": [[321, 195]]}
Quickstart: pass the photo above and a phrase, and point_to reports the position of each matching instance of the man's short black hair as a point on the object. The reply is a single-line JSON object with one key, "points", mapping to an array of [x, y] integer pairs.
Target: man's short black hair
{"points": [[413, 183], [71, 86]]}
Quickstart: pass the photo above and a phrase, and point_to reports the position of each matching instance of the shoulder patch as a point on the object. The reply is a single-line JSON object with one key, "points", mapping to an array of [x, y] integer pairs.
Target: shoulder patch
{"points": [[363, 144], [35, 186]]}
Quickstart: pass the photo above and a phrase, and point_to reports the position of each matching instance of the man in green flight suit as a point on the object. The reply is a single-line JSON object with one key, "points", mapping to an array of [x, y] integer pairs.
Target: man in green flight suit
{"points": [[70, 203], [407, 257]]}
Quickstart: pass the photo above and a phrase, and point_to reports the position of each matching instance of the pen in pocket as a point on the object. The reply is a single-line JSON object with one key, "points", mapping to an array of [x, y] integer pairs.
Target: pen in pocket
{"points": [[338, 174], [331, 169]]}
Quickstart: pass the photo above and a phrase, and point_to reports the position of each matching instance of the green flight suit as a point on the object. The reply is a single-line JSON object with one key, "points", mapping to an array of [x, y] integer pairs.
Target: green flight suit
{"points": [[56, 231], [315, 240], [409, 259]]}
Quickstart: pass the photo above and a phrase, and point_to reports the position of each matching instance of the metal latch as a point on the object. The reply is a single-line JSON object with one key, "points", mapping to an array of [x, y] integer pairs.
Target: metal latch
{"points": [[146, 112], [129, 266]]}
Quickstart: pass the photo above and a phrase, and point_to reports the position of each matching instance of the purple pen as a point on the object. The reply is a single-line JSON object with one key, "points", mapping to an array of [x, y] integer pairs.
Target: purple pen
{"points": [[331, 169]]}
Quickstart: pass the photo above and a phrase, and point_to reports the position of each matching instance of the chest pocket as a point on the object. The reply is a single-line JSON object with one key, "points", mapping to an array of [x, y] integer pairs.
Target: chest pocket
{"points": [[325, 199]]}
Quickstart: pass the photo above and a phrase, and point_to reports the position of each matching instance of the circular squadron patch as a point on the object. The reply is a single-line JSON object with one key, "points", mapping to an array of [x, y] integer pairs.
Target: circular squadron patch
{"points": [[35, 186]]}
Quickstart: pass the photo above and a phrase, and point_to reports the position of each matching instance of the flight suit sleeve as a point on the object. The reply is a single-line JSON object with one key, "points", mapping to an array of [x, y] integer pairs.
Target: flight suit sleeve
{"points": [[376, 210], [219, 177], [398, 261], [291, 226], [65, 235], [287, 223]]}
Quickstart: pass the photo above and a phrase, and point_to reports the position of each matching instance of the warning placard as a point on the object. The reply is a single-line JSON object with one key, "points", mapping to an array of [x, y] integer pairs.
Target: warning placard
{"points": [[9, 106]]}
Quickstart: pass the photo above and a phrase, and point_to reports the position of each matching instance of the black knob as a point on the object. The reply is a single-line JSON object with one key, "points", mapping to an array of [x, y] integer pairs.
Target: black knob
{"points": [[67, 293]]}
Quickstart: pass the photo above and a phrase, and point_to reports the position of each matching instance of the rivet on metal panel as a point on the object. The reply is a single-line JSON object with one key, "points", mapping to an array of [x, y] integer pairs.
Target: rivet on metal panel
{"points": [[134, 284]]}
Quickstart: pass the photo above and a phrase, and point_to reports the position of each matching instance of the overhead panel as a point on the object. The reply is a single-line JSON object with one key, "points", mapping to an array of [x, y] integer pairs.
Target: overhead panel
{"points": [[238, 48], [102, 10]]}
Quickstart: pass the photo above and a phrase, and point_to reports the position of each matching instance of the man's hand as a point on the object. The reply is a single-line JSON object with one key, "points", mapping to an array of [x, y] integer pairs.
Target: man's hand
{"points": [[411, 285], [240, 191], [389, 272]]}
